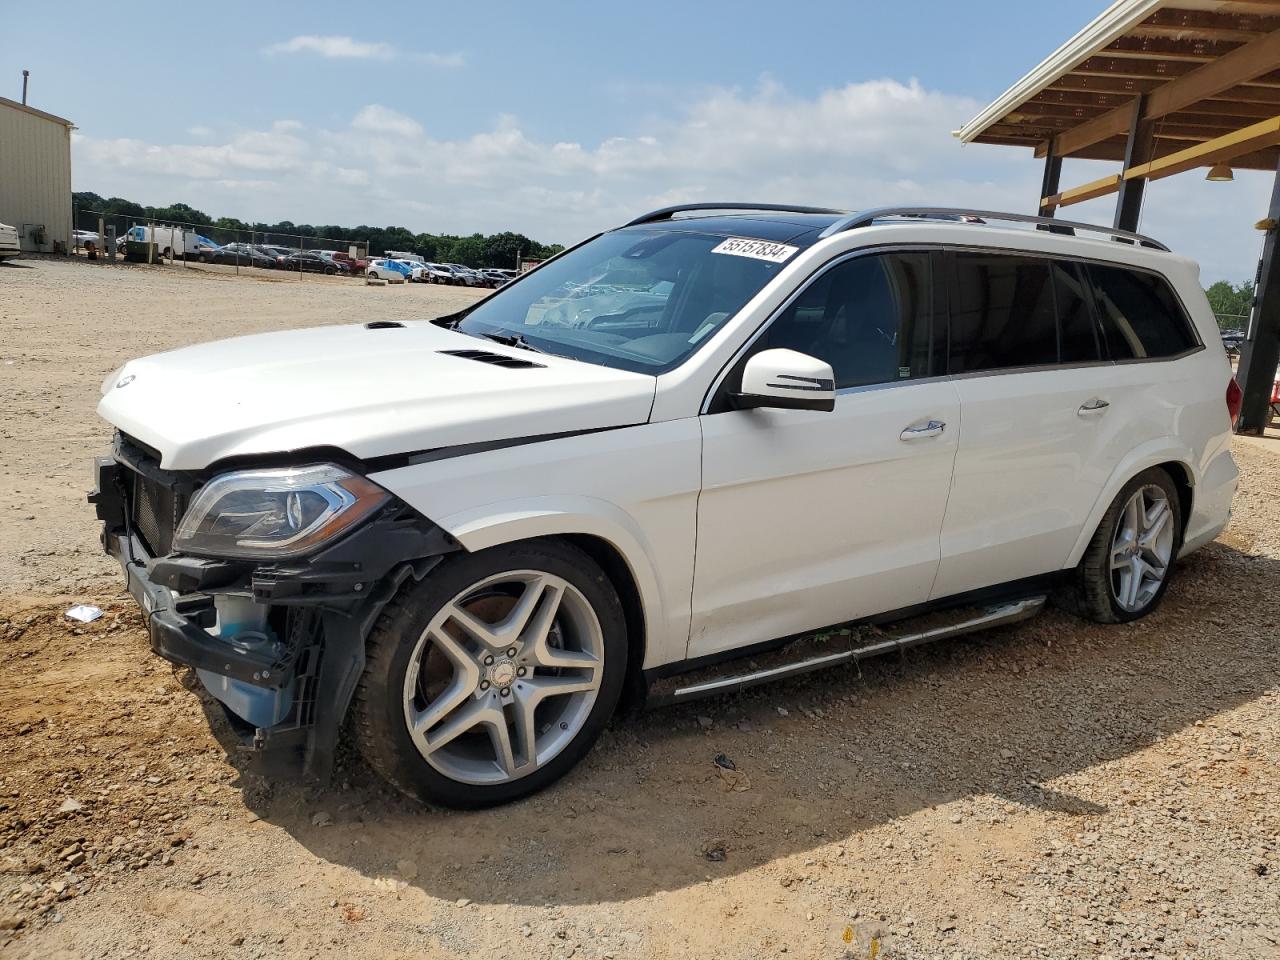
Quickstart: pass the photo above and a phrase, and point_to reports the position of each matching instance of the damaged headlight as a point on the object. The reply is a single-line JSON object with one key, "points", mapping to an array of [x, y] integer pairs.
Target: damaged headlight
{"points": [[276, 513]]}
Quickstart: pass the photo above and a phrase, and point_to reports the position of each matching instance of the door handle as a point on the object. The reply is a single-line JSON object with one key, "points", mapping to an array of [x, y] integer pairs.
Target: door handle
{"points": [[922, 431], [1093, 408]]}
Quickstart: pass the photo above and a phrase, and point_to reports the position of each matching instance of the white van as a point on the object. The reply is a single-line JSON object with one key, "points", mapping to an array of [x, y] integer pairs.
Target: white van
{"points": [[402, 255], [171, 242], [476, 533]]}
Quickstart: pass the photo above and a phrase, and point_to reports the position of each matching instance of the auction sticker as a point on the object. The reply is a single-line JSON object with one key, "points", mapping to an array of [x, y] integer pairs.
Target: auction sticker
{"points": [[756, 249]]}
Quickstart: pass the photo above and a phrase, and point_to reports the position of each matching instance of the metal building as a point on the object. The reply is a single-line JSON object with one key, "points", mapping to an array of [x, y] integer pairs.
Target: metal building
{"points": [[35, 176], [1162, 87]]}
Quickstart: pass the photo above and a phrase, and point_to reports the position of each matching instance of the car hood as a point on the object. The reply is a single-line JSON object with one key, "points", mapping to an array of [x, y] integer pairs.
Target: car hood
{"points": [[369, 392]]}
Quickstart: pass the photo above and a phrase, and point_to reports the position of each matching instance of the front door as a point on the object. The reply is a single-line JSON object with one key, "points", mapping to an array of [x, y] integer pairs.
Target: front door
{"points": [[806, 518]]}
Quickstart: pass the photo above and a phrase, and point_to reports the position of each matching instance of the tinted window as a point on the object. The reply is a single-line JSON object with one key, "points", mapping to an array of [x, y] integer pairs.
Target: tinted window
{"points": [[1002, 313], [1077, 331], [868, 317], [1140, 314]]}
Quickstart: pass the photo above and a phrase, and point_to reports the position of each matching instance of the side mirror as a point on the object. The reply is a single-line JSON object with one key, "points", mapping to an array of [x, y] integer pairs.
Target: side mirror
{"points": [[787, 380]]}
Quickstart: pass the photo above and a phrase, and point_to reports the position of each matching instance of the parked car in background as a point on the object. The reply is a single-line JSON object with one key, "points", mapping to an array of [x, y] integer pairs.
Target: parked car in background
{"points": [[496, 278], [9, 247], [238, 254], [276, 252], [354, 264], [436, 273], [82, 237], [393, 271], [311, 261], [418, 272], [403, 255], [466, 275]]}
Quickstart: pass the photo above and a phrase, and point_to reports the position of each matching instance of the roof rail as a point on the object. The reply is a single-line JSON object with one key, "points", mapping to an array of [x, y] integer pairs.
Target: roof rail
{"points": [[865, 218], [667, 213]]}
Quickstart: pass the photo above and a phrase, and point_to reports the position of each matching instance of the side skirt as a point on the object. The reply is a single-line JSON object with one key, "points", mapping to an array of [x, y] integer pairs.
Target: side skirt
{"points": [[851, 645]]}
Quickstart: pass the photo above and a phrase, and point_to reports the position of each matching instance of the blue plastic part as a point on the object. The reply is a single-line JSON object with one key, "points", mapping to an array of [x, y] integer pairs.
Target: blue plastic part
{"points": [[260, 707]]}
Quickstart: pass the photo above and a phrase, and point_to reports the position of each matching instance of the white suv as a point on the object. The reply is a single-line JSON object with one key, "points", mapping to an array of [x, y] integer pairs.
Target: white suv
{"points": [[703, 434]]}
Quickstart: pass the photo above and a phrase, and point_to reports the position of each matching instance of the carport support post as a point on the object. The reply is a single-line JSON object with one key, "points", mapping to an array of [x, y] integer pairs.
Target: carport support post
{"points": [[1049, 181], [1260, 351], [1137, 150]]}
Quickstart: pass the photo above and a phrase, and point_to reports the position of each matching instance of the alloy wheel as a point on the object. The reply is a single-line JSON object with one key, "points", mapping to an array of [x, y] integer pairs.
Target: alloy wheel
{"points": [[1142, 548], [504, 677]]}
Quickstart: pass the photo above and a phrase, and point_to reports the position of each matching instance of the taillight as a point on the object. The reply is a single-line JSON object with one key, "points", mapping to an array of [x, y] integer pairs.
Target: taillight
{"points": [[1235, 399]]}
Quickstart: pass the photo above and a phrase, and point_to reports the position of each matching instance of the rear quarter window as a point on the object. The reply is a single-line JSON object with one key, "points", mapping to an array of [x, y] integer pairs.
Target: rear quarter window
{"points": [[1141, 316]]}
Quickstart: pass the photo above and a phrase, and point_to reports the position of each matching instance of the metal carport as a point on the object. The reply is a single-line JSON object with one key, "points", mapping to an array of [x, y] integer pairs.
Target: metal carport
{"points": [[1161, 87]]}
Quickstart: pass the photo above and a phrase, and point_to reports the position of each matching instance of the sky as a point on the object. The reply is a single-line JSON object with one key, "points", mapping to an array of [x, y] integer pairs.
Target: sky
{"points": [[560, 119]]}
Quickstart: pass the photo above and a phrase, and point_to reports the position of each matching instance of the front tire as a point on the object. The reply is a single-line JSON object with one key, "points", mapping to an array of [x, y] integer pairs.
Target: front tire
{"points": [[493, 677], [1125, 569]]}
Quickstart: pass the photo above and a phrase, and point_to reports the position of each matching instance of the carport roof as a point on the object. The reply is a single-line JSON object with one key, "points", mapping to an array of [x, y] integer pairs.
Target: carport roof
{"points": [[1210, 69]]}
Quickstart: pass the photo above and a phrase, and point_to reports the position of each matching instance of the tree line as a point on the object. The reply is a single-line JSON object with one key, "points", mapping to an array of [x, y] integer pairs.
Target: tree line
{"points": [[1231, 303], [476, 250]]}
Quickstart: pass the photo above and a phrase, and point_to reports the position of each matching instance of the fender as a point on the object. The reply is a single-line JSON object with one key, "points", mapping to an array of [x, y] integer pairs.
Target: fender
{"points": [[636, 488], [667, 631], [1148, 454]]}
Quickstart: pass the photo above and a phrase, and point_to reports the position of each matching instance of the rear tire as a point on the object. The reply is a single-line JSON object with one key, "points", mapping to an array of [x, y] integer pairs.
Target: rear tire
{"points": [[1125, 569], [493, 677]]}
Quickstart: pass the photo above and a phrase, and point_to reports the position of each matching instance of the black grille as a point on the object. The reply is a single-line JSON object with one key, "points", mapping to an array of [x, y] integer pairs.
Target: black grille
{"points": [[157, 498], [155, 514]]}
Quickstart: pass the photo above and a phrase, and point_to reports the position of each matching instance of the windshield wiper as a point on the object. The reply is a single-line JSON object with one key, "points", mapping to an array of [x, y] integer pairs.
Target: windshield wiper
{"points": [[512, 340]]}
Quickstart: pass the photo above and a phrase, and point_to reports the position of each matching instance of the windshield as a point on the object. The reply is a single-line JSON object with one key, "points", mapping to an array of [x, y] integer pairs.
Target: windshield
{"points": [[640, 301]]}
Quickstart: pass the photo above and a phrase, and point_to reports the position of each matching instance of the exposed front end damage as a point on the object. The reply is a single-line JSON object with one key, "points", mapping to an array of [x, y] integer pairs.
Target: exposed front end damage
{"points": [[280, 644]]}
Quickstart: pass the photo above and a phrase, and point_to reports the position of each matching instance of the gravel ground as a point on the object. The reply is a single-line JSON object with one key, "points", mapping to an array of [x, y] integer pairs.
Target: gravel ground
{"points": [[65, 325], [1055, 789]]}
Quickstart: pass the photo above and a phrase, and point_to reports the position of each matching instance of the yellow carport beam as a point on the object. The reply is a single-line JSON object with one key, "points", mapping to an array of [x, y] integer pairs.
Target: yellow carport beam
{"points": [[1094, 188], [1250, 139], [1257, 136]]}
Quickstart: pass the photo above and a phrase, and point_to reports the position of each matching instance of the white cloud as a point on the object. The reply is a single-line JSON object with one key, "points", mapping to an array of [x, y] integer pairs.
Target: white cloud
{"points": [[376, 118], [444, 60], [334, 46], [348, 48], [864, 144], [200, 132]]}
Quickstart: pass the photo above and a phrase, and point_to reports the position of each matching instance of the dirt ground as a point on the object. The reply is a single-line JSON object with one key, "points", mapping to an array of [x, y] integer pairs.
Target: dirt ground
{"points": [[1051, 790]]}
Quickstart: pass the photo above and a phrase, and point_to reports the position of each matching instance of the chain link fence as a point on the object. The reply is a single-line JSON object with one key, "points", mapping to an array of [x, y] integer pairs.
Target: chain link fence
{"points": [[118, 237]]}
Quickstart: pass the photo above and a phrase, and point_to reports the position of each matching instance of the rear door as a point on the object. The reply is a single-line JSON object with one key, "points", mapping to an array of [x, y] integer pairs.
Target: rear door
{"points": [[1046, 417]]}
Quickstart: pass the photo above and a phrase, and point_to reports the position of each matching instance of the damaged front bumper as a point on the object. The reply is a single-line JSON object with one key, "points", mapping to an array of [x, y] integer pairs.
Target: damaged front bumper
{"points": [[286, 687]]}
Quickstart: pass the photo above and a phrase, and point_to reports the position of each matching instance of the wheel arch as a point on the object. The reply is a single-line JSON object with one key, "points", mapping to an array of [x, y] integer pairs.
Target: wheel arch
{"points": [[1173, 456], [615, 567], [606, 534], [1184, 481]]}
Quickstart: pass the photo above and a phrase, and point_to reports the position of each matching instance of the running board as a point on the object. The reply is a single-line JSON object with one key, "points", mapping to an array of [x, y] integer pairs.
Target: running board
{"points": [[909, 633]]}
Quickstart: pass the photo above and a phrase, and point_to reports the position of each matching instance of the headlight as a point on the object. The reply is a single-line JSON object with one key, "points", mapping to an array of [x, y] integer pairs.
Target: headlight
{"points": [[276, 513]]}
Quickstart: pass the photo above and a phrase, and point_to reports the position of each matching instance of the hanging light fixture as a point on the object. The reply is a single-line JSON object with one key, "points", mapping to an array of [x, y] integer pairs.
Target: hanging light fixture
{"points": [[1219, 173]]}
